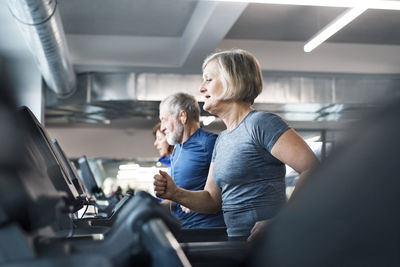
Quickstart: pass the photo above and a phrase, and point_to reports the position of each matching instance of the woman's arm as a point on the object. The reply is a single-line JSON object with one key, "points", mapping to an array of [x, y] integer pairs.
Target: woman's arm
{"points": [[168, 204], [203, 201], [292, 150]]}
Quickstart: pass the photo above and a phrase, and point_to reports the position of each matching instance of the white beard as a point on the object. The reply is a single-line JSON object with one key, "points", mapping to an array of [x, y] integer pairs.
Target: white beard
{"points": [[175, 137]]}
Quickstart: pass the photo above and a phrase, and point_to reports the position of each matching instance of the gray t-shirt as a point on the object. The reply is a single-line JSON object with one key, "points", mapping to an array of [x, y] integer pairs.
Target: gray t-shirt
{"points": [[250, 178]]}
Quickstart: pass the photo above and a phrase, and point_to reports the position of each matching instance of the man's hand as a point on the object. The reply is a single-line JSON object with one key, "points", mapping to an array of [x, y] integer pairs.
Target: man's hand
{"points": [[164, 185], [257, 229]]}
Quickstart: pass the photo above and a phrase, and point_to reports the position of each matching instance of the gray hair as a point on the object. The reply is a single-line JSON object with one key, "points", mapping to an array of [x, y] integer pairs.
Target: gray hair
{"points": [[240, 74], [182, 101]]}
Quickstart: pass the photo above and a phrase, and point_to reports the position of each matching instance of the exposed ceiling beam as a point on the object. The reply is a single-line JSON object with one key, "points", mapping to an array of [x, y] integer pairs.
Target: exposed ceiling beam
{"points": [[332, 57], [372, 4], [123, 51], [208, 26]]}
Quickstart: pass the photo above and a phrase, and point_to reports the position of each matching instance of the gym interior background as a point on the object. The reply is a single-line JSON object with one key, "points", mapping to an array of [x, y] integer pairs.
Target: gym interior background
{"points": [[121, 58], [128, 55]]}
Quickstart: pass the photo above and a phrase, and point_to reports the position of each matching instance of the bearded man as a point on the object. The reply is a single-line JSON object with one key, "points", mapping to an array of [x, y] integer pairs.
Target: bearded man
{"points": [[190, 161]]}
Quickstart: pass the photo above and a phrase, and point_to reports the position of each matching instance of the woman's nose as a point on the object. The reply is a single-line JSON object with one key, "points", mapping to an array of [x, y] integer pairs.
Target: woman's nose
{"points": [[162, 128]]}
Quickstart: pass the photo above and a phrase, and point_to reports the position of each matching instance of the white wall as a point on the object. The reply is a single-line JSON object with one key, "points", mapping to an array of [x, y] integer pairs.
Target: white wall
{"points": [[107, 143]]}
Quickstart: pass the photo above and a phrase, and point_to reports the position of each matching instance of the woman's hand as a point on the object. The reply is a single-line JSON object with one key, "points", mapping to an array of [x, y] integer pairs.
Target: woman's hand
{"points": [[164, 186], [257, 229], [186, 210]]}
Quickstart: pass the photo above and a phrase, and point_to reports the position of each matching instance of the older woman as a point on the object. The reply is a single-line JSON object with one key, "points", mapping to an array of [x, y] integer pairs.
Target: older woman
{"points": [[246, 176], [160, 143]]}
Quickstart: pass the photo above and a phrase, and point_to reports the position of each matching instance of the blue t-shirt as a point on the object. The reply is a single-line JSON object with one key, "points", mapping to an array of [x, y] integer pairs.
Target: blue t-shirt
{"points": [[165, 160], [189, 168], [252, 181]]}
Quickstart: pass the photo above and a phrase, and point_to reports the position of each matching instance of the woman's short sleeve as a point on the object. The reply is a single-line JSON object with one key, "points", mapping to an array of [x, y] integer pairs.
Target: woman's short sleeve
{"points": [[267, 128]]}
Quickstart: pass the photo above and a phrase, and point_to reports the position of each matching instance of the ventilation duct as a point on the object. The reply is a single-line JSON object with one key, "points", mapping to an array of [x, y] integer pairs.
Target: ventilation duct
{"points": [[40, 24]]}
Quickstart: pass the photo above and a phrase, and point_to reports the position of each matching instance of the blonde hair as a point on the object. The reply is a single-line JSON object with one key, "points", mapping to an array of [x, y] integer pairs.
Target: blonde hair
{"points": [[240, 74]]}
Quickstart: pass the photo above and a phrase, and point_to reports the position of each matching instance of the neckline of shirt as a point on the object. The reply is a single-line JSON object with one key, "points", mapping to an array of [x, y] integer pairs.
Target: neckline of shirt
{"points": [[191, 137], [240, 123]]}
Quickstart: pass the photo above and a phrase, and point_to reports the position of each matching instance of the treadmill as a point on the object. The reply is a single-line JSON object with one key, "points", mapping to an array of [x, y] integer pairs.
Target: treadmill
{"points": [[128, 232], [50, 160], [106, 215]]}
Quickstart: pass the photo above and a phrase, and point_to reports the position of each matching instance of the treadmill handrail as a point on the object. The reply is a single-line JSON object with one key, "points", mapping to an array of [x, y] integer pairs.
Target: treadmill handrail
{"points": [[162, 245]]}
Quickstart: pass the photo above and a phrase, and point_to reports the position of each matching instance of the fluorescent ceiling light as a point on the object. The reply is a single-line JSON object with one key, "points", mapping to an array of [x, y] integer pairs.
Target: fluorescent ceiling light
{"points": [[333, 27], [372, 4]]}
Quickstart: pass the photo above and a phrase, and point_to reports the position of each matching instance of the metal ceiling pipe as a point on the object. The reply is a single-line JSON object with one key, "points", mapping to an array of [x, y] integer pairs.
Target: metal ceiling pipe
{"points": [[41, 27]]}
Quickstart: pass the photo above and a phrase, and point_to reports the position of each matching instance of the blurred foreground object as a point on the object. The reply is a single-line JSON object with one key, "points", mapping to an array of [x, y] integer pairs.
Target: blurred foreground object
{"points": [[347, 214]]}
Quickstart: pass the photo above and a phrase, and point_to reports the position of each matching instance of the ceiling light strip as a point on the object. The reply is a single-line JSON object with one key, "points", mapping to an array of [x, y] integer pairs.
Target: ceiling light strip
{"points": [[333, 27], [371, 4]]}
